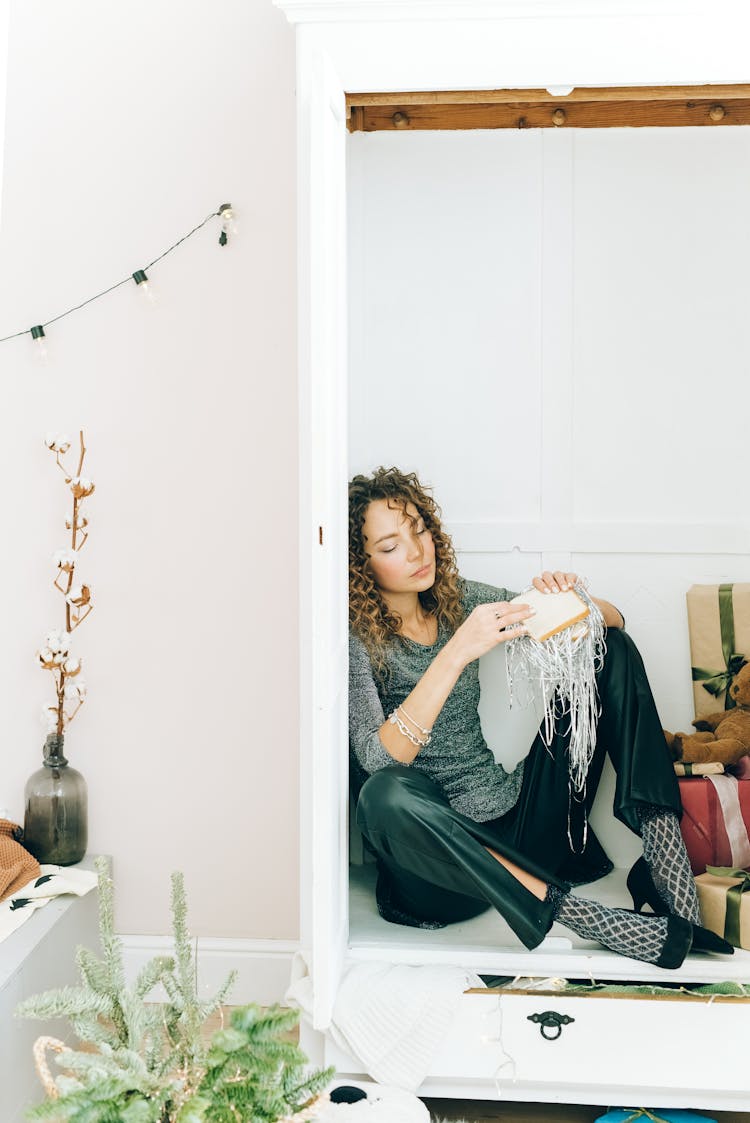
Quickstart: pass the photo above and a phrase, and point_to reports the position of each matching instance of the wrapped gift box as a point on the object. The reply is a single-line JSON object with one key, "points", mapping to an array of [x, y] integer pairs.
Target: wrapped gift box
{"points": [[719, 624], [715, 821], [725, 903], [707, 768]]}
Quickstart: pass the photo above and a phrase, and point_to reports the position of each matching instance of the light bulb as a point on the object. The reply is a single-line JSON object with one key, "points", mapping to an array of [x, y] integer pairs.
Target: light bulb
{"points": [[145, 285], [228, 222], [148, 288], [37, 333]]}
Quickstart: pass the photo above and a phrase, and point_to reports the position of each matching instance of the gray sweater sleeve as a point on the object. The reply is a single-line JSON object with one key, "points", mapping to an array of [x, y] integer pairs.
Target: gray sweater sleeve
{"points": [[365, 711], [477, 592]]}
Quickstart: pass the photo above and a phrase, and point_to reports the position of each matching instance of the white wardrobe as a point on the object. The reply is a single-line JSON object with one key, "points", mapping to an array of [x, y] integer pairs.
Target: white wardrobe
{"points": [[549, 326]]}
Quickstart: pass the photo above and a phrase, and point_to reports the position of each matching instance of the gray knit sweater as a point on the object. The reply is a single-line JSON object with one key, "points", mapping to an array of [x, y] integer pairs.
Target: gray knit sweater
{"points": [[458, 756]]}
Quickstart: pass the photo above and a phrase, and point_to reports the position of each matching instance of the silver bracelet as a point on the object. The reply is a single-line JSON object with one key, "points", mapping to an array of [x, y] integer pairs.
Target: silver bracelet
{"points": [[408, 717], [404, 729]]}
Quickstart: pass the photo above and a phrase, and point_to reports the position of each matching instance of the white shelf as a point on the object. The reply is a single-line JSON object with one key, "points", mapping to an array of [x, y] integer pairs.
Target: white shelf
{"points": [[39, 956], [487, 945]]}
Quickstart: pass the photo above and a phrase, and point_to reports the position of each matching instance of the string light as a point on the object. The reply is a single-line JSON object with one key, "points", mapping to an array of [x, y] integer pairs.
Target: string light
{"points": [[144, 284], [228, 225], [37, 333]]}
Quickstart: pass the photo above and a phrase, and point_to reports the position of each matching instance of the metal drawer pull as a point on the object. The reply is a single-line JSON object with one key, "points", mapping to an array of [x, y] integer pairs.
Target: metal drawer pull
{"points": [[550, 1019]]}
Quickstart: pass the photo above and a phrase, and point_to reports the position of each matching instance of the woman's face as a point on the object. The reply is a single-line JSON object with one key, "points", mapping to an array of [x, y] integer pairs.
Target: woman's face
{"points": [[401, 552]]}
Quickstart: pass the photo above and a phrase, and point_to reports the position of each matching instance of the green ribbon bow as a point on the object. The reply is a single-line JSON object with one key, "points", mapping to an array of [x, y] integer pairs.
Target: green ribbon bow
{"points": [[734, 900], [716, 682]]}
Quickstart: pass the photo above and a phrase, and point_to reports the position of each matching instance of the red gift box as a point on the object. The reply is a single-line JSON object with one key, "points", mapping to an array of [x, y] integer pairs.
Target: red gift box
{"points": [[703, 827]]}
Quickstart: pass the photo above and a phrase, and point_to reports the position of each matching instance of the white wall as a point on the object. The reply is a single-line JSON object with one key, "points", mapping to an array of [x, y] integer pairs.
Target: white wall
{"points": [[126, 125], [4, 20], [549, 327]]}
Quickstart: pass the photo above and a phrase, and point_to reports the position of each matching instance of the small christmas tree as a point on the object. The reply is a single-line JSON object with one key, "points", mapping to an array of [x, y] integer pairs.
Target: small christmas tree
{"points": [[148, 1062]]}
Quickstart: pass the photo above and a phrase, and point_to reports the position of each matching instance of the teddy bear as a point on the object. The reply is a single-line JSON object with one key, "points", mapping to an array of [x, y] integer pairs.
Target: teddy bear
{"points": [[723, 736]]}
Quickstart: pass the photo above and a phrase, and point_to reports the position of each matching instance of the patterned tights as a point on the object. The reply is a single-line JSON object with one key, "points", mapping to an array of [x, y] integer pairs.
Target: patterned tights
{"points": [[668, 861]]}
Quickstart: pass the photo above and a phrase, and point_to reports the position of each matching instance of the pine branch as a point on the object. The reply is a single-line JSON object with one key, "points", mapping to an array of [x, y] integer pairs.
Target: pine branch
{"points": [[93, 971], [207, 1009], [153, 1038], [93, 1068], [151, 1064], [248, 1067], [153, 973], [65, 1002], [185, 968], [92, 1031], [174, 992], [111, 945], [267, 1023], [99, 1104]]}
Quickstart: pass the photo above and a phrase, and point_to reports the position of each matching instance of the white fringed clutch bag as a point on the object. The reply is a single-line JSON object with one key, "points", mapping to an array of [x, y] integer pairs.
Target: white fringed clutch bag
{"points": [[558, 661]]}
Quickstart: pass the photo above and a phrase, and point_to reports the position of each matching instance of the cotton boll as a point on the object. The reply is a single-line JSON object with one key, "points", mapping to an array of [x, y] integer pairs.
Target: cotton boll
{"points": [[57, 642], [57, 442], [65, 559], [74, 691], [81, 486], [72, 666], [48, 716]]}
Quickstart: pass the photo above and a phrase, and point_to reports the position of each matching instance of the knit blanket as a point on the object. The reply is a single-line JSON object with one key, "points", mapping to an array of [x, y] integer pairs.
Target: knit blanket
{"points": [[391, 1017], [52, 882]]}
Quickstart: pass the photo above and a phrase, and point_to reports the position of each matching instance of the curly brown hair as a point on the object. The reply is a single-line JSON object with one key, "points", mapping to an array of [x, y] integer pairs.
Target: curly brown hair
{"points": [[369, 616]]}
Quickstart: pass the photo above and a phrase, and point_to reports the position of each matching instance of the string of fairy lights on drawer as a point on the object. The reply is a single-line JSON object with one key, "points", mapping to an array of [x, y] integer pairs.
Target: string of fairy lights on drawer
{"points": [[140, 277]]}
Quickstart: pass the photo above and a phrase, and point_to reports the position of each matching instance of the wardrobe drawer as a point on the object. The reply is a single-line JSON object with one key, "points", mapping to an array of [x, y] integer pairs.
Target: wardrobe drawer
{"points": [[520, 1038]]}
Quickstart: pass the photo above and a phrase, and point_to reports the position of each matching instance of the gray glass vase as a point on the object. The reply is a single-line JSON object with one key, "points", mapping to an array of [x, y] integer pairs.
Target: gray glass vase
{"points": [[55, 827]]}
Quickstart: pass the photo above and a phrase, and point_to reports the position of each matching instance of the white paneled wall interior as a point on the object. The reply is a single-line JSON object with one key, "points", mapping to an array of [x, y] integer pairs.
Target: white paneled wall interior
{"points": [[548, 327]]}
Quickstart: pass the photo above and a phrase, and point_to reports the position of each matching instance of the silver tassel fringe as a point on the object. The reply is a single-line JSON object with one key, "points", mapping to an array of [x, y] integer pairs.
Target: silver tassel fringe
{"points": [[560, 673]]}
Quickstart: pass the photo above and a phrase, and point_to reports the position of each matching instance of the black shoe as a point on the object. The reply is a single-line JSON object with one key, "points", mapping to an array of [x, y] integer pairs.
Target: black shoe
{"points": [[643, 891], [706, 940], [677, 944], [682, 937]]}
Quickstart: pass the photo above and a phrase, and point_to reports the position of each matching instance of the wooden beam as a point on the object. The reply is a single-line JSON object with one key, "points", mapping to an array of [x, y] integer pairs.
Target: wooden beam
{"points": [[616, 107]]}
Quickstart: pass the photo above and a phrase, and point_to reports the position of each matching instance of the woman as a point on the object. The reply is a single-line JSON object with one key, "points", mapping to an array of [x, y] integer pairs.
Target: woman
{"points": [[453, 832]]}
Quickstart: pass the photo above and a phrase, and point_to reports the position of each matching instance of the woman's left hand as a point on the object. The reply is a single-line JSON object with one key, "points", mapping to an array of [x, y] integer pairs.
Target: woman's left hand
{"points": [[557, 582]]}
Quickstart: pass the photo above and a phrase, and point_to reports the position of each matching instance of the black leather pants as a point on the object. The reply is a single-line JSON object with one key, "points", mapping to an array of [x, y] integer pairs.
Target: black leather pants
{"points": [[434, 858]]}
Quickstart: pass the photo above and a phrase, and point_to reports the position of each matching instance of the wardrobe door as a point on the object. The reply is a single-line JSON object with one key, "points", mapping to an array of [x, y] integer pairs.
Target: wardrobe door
{"points": [[323, 525]]}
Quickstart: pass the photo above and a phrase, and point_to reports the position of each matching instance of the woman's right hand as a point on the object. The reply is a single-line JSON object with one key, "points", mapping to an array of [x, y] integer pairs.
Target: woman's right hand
{"points": [[487, 626]]}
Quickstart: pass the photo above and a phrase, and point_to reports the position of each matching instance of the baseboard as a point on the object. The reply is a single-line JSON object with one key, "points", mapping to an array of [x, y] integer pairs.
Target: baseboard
{"points": [[263, 966]]}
